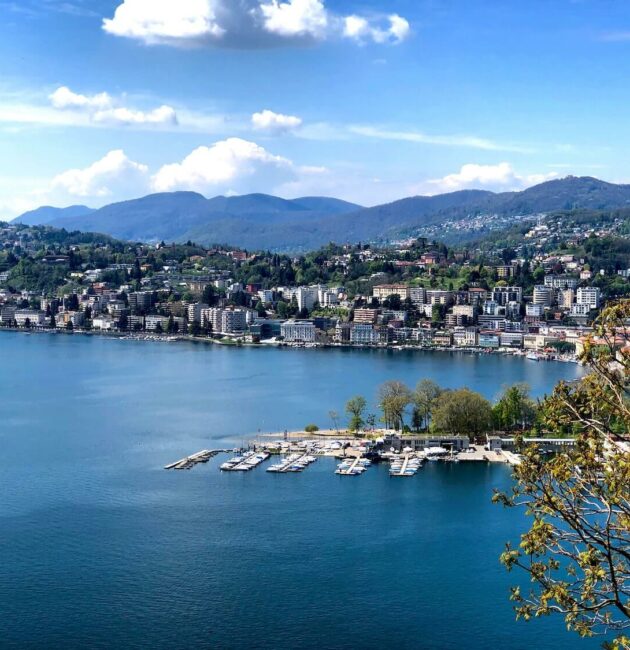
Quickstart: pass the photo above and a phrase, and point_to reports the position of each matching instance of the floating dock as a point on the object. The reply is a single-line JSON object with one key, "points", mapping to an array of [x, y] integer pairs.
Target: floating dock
{"points": [[246, 462], [202, 456], [354, 468], [292, 463], [407, 466]]}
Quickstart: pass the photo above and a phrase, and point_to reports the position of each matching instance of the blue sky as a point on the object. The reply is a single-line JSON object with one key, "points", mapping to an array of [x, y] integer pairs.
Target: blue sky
{"points": [[103, 100]]}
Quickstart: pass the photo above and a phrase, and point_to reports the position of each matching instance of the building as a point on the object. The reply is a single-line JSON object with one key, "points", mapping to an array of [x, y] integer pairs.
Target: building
{"points": [[306, 297], [298, 331], [365, 315], [489, 340], [140, 301], [590, 296], [561, 282], [233, 321], [29, 318], [195, 312], [155, 322], [418, 295], [543, 295], [503, 295], [465, 337], [364, 334], [566, 298], [383, 291], [511, 340]]}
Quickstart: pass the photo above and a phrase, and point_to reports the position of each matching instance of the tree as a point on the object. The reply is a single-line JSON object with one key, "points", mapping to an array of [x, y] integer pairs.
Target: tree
{"points": [[393, 398], [424, 397], [370, 420], [355, 408], [515, 409], [577, 550], [334, 416], [462, 412]]}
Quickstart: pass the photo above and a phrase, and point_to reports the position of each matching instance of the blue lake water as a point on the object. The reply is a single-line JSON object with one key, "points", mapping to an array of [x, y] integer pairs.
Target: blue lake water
{"points": [[100, 547]]}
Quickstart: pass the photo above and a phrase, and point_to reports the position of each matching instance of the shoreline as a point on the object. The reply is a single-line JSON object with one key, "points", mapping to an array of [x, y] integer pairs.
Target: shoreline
{"points": [[188, 338]]}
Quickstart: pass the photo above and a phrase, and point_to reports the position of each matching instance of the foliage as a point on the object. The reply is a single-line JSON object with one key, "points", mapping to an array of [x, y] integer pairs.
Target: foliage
{"points": [[424, 398], [355, 408], [577, 550], [462, 412], [515, 409], [311, 428], [393, 399]]}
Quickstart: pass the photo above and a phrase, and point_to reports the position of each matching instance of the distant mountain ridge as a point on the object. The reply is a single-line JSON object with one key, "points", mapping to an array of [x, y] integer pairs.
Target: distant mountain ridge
{"points": [[257, 221], [46, 214]]}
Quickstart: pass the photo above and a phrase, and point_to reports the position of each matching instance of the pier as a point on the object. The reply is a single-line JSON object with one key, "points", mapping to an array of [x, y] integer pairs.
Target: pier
{"points": [[292, 463], [202, 456], [408, 466], [354, 468], [245, 463]]}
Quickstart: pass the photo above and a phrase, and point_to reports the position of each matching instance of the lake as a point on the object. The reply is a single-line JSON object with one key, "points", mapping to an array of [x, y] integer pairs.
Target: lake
{"points": [[101, 547]]}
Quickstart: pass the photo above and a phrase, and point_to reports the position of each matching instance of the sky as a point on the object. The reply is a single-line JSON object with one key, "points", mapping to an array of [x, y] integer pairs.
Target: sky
{"points": [[368, 100]]}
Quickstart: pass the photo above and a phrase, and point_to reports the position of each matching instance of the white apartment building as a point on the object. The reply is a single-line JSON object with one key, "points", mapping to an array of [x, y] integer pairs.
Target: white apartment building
{"points": [[306, 297], [34, 317], [233, 321], [298, 331], [590, 296], [363, 334]]}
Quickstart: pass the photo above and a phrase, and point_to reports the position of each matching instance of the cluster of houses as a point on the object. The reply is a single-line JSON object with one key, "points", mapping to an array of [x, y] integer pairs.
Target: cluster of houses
{"points": [[399, 314]]}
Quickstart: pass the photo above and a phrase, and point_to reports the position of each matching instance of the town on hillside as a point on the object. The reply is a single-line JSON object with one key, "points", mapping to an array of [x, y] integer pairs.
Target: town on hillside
{"points": [[537, 295]]}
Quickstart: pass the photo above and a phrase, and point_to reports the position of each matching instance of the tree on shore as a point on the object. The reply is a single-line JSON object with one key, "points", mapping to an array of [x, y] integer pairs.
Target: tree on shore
{"points": [[515, 409], [393, 399], [577, 550], [462, 412], [424, 398], [355, 408], [334, 416]]}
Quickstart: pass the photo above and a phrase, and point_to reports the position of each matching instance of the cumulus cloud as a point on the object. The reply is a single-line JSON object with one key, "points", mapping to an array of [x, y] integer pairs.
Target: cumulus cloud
{"points": [[295, 18], [101, 108], [114, 175], [64, 98], [234, 165], [361, 29], [494, 177], [247, 23], [275, 122]]}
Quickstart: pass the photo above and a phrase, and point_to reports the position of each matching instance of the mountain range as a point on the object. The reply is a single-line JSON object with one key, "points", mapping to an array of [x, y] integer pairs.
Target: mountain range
{"points": [[256, 221]]}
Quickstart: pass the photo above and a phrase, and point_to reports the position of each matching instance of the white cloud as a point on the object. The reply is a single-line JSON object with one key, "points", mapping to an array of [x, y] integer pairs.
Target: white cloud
{"points": [[64, 98], [234, 165], [114, 175], [275, 122], [361, 29], [295, 18], [161, 115], [469, 141], [246, 23], [165, 21], [493, 177], [102, 108]]}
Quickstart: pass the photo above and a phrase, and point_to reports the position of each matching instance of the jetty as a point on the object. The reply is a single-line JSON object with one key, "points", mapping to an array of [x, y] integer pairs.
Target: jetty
{"points": [[293, 463], [353, 468], [202, 456], [407, 466], [245, 463]]}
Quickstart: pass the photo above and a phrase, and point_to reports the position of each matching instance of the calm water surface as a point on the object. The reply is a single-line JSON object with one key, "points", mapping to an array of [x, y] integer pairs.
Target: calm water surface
{"points": [[100, 547]]}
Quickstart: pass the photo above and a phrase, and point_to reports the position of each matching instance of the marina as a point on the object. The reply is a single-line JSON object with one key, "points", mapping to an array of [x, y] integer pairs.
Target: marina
{"points": [[354, 467], [245, 463], [292, 464], [406, 466]]}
